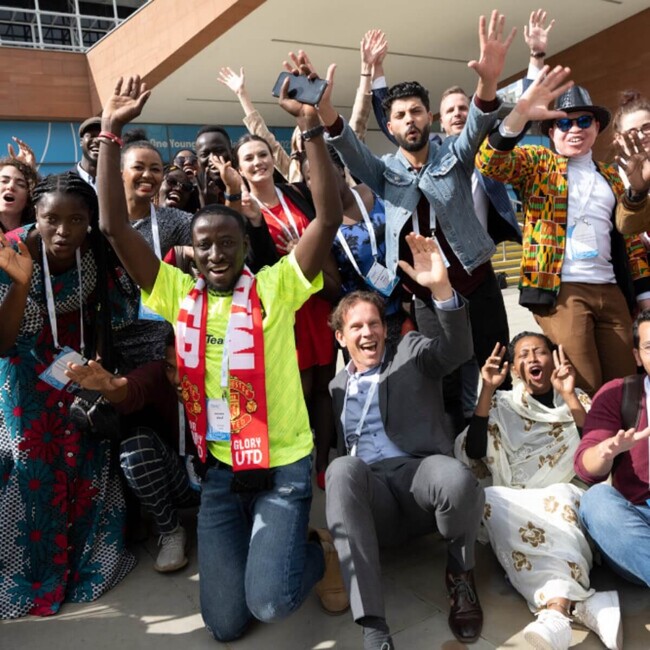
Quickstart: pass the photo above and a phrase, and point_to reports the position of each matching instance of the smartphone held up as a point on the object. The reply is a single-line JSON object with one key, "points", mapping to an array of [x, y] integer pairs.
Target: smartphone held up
{"points": [[301, 88]]}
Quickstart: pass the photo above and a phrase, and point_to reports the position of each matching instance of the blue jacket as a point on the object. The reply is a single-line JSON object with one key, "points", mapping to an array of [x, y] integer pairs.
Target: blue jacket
{"points": [[445, 180], [502, 222]]}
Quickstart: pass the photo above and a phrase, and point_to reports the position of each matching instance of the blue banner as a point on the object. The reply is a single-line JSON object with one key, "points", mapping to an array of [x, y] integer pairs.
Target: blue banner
{"points": [[57, 148]]}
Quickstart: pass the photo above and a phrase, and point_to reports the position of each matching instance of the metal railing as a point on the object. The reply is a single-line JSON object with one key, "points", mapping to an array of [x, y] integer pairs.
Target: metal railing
{"points": [[41, 29]]}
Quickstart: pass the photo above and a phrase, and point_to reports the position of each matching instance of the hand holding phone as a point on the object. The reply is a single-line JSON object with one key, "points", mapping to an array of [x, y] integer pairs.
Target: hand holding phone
{"points": [[302, 89]]}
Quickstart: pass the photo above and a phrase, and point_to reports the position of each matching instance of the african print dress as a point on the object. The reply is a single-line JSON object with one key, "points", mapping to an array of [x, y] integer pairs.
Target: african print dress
{"points": [[62, 511]]}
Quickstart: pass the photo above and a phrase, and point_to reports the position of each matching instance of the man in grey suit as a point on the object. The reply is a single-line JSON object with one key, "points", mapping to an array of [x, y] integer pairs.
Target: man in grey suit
{"points": [[399, 478]]}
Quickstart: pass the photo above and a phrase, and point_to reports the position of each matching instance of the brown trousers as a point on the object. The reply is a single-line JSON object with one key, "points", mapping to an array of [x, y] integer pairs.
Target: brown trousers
{"points": [[593, 325]]}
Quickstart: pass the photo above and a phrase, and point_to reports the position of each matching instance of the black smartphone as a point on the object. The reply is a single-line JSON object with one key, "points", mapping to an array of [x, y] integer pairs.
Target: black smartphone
{"points": [[300, 88]]}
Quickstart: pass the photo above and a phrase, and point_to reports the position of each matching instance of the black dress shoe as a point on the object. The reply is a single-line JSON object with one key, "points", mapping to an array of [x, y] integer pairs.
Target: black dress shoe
{"points": [[465, 614]]}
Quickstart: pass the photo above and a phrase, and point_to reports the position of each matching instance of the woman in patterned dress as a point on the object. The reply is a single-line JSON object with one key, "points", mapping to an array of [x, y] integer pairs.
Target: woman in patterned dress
{"points": [[527, 437], [61, 504]]}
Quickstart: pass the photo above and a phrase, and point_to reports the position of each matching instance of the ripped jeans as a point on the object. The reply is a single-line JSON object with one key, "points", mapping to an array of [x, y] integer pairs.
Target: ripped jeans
{"points": [[255, 560]]}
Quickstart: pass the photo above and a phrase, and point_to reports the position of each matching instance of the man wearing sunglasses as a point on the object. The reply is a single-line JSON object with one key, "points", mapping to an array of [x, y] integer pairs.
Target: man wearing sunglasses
{"points": [[579, 276]]}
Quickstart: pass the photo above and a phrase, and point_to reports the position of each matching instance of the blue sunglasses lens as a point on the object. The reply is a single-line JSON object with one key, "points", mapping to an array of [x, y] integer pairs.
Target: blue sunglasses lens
{"points": [[583, 122]]}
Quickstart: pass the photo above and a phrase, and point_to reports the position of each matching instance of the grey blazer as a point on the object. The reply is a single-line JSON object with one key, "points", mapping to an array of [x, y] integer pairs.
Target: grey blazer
{"points": [[410, 383]]}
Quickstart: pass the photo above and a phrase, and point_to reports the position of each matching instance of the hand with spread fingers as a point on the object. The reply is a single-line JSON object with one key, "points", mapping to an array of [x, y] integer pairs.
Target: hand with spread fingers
{"points": [[495, 369], [535, 33], [128, 99], [493, 50], [563, 377], [429, 269], [95, 377], [229, 78], [17, 264], [634, 160], [623, 441], [25, 153], [533, 103]]}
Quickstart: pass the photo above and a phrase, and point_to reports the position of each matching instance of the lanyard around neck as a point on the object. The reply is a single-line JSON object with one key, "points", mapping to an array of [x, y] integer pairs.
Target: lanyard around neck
{"points": [[287, 213], [354, 438], [371, 235], [432, 221], [49, 297], [155, 232]]}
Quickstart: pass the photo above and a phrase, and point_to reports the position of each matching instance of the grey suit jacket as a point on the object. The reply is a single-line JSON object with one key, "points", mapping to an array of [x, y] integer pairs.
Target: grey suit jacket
{"points": [[410, 383]]}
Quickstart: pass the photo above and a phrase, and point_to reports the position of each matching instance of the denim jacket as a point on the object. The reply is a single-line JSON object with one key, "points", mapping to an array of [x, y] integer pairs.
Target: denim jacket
{"points": [[445, 180]]}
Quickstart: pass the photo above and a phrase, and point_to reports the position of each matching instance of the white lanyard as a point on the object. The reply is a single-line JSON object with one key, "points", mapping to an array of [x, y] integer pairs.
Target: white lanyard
{"points": [[371, 234], [49, 297], [181, 430], [155, 232], [585, 195], [287, 213], [364, 413], [432, 221]]}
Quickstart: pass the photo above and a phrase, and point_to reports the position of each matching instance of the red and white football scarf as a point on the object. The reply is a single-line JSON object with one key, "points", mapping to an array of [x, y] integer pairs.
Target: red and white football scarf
{"points": [[244, 356]]}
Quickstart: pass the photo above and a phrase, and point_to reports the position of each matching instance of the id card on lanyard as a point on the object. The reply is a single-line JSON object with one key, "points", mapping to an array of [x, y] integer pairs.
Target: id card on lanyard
{"points": [[218, 408], [378, 276], [144, 312], [54, 374], [432, 225], [291, 230]]}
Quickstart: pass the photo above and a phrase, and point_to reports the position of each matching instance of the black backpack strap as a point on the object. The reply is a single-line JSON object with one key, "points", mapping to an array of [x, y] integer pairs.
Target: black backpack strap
{"points": [[632, 402]]}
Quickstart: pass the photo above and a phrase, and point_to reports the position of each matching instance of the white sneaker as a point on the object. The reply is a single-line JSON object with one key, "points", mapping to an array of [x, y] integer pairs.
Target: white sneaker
{"points": [[602, 614], [172, 552], [551, 631]]}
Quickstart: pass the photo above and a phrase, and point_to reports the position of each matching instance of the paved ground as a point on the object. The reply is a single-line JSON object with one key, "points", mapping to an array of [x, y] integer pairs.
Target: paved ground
{"points": [[150, 611]]}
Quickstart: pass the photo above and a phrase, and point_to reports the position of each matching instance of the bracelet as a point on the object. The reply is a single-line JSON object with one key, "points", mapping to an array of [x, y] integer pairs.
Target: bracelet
{"points": [[538, 55], [313, 132], [366, 74], [232, 197], [108, 137]]}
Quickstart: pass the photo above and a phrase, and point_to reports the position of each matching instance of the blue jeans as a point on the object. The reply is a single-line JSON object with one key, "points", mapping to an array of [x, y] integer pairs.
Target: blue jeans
{"points": [[620, 529], [254, 556]]}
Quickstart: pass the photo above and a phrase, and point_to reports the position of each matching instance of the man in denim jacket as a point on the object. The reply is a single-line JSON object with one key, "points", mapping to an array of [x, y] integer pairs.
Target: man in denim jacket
{"points": [[426, 185]]}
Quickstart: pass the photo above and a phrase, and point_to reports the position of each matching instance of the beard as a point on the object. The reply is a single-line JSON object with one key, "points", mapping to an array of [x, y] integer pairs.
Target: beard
{"points": [[414, 145]]}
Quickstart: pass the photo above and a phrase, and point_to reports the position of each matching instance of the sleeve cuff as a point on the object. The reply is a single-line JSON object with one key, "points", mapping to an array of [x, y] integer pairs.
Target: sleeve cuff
{"points": [[449, 304], [336, 128], [379, 82]]}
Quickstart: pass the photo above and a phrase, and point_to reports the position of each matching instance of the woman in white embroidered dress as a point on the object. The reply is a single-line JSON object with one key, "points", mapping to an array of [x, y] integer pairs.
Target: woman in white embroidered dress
{"points": [[527, 437]]}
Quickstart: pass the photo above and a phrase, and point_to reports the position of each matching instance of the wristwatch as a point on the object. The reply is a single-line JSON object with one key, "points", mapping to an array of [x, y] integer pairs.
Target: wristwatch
{"points": [[635, 197], [313, 132]]}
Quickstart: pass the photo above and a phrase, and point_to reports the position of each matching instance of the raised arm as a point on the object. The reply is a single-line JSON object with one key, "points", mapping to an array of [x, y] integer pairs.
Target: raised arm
{"points": [[373, 48], [138, 258], [316, 242], [252, 118], [17, 264]]}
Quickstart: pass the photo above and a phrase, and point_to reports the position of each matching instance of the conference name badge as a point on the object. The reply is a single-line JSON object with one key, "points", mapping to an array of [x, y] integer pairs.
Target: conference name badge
{"points": [[380, 279], [54, 374]]}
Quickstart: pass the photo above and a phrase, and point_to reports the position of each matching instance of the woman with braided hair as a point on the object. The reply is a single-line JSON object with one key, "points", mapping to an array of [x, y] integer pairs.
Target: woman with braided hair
{"points": [[61, 506]]}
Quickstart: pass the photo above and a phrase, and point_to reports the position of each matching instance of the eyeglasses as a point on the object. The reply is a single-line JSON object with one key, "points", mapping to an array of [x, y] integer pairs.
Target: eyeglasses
{"points": [[184, 185], [644, 129], [582, 122], [181, 160]]}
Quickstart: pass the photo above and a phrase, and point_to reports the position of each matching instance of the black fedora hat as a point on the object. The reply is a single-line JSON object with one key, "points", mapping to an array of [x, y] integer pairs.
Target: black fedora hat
{"points": [[574, 100]]}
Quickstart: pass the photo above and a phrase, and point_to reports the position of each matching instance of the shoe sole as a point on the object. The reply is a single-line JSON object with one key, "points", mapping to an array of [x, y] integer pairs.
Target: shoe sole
{"points": [[536, 641]]}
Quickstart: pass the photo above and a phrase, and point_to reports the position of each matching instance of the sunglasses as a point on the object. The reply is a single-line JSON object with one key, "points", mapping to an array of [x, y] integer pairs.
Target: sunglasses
{"points": [[582, 122], [186, 186], [181, 160]]}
